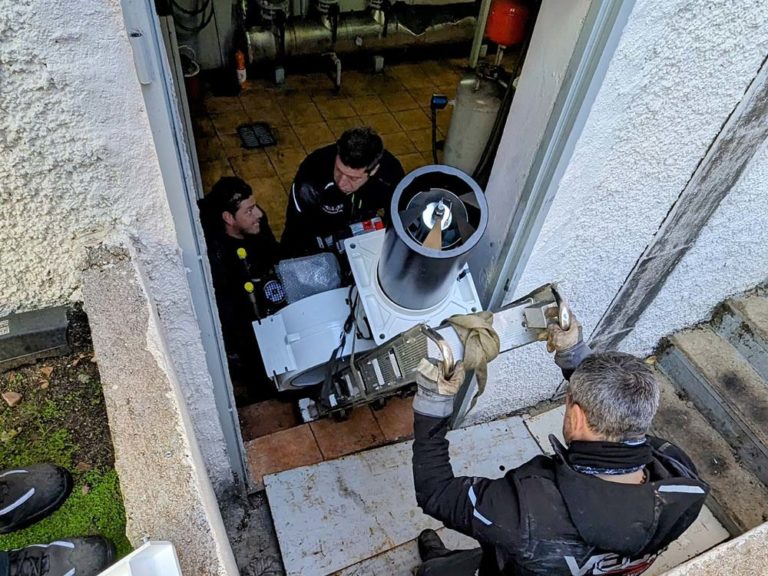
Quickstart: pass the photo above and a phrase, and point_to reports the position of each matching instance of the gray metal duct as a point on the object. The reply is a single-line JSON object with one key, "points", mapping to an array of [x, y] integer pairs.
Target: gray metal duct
{"points": [[412, 274], [355, 32]]}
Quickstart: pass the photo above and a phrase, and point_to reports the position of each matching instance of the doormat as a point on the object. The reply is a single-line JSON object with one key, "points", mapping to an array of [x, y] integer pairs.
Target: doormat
{"points": [[256, 135]]}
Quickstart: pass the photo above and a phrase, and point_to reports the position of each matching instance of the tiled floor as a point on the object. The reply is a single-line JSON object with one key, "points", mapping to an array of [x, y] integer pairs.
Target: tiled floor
{"points": [[275, 440], [306, 113]]}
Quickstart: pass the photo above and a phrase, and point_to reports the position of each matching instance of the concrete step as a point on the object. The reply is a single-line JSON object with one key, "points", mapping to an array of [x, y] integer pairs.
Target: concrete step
{"points": [[678, 421], [725, 389], [744, 324]]}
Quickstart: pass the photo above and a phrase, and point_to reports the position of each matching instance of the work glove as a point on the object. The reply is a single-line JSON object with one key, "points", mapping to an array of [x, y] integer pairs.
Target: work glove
{"points": [[559, 340], [434, 392], [568, 345]]}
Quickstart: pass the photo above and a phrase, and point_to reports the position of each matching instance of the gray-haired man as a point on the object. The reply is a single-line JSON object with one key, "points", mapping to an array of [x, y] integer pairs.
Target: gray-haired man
{"points": [[609, 503]]}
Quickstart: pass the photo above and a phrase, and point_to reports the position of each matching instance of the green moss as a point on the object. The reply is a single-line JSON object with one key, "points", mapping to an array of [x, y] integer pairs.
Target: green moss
{"points": [[94, 507], [62, 420]]}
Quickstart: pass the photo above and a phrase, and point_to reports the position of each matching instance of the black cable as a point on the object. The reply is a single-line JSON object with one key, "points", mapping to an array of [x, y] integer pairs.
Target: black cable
{"points": [[205, 21], [329, 382], [194, 12], [434, 135]]}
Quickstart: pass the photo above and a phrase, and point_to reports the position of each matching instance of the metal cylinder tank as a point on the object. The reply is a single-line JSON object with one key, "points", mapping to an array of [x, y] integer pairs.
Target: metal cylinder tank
{"points": [[477, 103], [438, 215]]}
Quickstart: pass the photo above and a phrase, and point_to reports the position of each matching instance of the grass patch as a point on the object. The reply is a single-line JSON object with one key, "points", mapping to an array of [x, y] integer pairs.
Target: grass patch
{"points": [[62, 420], [94, 507]]}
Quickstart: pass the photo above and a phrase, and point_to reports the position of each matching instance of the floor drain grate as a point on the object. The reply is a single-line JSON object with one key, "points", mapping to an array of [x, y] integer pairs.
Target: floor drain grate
{"points": [[256, 135]]}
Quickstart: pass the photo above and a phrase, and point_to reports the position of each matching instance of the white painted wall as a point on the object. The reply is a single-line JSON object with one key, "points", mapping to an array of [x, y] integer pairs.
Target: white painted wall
{"points": [[78, 169], [678, 72]]}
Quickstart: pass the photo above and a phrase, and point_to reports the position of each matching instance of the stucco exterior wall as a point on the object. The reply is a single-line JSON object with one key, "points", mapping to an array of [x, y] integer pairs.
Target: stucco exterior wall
{"points": [[678, 72], [78, 169]]}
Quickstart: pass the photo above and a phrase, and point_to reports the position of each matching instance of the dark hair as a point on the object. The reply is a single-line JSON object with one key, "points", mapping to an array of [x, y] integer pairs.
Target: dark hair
{"points": [[619, 394], [225, 196], [360, 148]]}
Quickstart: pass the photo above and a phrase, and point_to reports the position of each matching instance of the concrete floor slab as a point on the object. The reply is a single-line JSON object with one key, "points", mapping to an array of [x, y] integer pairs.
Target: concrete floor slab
{"points": [[336, 514]]}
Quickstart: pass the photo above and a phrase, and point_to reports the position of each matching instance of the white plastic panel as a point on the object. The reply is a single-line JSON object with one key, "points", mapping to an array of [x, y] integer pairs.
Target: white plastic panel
{"points": [[152, 559], [386, 318]]}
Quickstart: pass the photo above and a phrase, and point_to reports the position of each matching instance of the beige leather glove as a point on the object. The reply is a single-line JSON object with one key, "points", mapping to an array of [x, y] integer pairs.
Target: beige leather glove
{"points": [[559, 340], [435, 393]]}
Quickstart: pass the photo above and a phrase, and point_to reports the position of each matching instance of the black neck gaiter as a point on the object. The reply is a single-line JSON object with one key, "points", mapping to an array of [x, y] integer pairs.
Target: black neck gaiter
{"points": [[609, 458]]}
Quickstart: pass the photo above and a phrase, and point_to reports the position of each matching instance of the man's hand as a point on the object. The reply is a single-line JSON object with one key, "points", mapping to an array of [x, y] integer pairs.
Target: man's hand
{"points": [[559, 340], [434, 392]]}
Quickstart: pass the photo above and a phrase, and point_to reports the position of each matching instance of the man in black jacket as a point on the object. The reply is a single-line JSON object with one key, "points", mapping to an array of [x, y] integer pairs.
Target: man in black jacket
{"points": [[241, 249], [345, 183], [609, 503]]}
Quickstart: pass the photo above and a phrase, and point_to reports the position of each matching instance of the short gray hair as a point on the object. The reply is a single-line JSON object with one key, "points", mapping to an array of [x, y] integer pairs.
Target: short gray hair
{"points": [[618, 393]]}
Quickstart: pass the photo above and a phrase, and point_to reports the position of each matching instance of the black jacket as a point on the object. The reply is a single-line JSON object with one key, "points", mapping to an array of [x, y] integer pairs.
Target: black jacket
{"points": [[229, 274], [319, 214], [546, 518]]}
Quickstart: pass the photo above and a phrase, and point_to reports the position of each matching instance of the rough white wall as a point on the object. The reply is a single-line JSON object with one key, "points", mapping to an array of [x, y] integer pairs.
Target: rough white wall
{"points": [[77, 166], [679, 70], [730, 256], [78, 169]]}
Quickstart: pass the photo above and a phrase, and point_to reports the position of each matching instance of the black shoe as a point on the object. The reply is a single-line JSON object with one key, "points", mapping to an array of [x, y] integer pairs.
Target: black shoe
{"points": [[431, 546], [71, 557], [30, 493]]}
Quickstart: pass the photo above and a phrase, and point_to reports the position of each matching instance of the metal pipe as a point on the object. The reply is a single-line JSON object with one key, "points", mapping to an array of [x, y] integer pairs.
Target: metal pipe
{"points": [[477, 41], [355, 33]]}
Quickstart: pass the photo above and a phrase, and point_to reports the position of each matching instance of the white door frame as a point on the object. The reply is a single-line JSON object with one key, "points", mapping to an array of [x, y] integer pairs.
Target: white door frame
{"points": [[178, 166], [508, 244]]}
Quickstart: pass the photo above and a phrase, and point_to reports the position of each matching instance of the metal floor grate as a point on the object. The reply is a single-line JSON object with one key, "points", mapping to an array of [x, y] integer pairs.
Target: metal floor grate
{"points": [[256, 135]]}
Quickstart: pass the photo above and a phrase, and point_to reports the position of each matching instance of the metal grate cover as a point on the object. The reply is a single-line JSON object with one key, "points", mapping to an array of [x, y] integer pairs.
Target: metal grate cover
{"points": [[256, 135]]}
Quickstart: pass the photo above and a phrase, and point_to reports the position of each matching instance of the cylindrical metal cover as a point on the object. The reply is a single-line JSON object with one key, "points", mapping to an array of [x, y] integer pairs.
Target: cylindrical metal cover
{"points": [[477, 103], [411, 274]]}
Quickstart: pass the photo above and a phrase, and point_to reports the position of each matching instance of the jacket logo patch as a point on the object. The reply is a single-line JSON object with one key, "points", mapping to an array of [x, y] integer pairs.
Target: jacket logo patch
{"points": [[611, 564], [333, 209]]}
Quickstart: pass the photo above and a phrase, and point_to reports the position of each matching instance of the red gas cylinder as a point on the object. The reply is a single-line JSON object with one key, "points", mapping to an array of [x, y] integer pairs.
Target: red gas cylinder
{"points": [[507, 20]]}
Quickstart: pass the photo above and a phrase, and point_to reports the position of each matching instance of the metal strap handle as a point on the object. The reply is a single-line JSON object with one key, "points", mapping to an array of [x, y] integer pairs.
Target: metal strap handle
{"points": [[445, 350]]}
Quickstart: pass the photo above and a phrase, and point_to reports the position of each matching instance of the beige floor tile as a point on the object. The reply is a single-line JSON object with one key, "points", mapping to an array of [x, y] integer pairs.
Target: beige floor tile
{"points": [[428, 160], [266, 417], [338, 439], [338, 125], [268, 111], [423, 96], [398, 143], [399, 101], [305, 113], [422, 139], [251, 166], [280, 451], [202, 126], [313, 136], [209, 149], [270, 195], [371, 104], [212, 171], [223, 104], [396, 418], [412, 119], [412, 161], [286, 160], [335, 108], [383, 123], [228, 122], [286, 137], [231, 145], [405, 70]]}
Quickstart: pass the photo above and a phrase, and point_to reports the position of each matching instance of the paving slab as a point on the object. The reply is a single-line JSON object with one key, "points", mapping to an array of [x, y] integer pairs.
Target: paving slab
{"points": [[404, 559], [336, 514]]}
